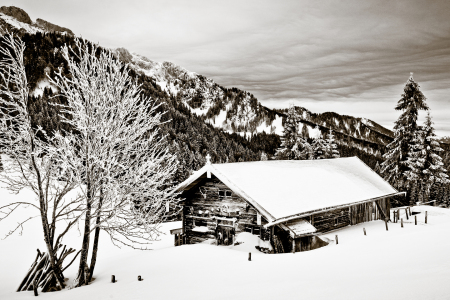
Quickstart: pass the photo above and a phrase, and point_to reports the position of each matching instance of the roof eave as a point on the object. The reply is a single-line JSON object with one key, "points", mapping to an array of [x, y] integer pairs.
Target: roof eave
{"points": [[321, 210]]}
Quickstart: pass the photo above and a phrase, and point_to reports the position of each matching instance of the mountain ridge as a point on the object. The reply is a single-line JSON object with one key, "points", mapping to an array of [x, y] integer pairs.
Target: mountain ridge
{"points": [[239, 111], [14, 18]]}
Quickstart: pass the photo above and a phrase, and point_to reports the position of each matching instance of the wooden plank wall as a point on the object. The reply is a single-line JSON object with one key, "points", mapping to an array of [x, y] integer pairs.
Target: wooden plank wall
{"points": [[203, 203], [331, 220], [352, 215]]}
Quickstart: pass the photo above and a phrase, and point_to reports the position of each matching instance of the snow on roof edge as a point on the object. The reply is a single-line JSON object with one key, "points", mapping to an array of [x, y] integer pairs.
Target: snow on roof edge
{"points": [[228, 183], [311, 212], [241, 193], [378, 175], [273, 220]]}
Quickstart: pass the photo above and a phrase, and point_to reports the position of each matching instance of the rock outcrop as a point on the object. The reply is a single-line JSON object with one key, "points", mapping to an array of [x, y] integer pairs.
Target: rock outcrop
{"points": [[17, 13], [47, 26]]}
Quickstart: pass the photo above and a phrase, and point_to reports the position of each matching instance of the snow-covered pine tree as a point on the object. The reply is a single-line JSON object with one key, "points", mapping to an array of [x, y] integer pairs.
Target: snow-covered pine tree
{"points": [[445, 195], [293, 146], [305, 132], [319, 147], [396, 162], [264, 156], [425, 163], [331, 147], [377, 168]]}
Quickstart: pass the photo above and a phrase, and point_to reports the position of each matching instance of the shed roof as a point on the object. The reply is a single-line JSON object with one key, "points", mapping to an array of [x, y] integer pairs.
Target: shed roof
{"points": [[283, 188]]}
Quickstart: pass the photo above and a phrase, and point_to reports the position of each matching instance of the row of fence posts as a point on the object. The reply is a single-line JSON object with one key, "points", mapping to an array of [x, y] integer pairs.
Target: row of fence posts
{"points": [[113, 278], [396, 217]]}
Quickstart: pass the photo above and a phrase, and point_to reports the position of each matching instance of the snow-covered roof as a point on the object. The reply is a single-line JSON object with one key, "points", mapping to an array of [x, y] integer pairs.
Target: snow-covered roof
{"points": [[301, 227], [280, 189]]}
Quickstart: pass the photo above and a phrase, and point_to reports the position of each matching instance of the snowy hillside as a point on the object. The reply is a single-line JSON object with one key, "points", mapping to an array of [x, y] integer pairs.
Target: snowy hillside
{"points": [[402, 263]]}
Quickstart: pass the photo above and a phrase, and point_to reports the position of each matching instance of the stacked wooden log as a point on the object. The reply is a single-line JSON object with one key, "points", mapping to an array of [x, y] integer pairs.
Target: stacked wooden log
{"points": [[278, 246], [41, 275], [263, 249]]}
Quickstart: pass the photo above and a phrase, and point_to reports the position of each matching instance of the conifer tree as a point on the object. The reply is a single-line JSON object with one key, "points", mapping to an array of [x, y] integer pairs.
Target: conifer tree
{"points": [[396, 162], [424, 160], [377, 168], [319, 146], [331, 147], [305, 132], [264, 156], [293, 146]]}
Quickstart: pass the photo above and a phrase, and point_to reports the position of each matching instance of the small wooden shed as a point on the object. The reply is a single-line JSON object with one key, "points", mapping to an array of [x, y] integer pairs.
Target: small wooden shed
{"points": [[286, 202]]}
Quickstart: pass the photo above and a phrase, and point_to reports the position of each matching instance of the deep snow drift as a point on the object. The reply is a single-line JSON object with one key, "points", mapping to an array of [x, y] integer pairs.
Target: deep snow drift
{"points": [[402, 263]]}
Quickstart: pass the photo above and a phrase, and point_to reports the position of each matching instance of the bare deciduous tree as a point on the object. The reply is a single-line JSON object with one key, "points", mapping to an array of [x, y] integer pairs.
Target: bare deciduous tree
{"points": [[118, 155], [29, 163]]}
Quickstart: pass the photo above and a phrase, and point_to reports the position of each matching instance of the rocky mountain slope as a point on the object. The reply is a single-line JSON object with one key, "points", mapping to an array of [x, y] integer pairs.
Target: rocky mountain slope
{"points": [[14, 18], [239, 111]]}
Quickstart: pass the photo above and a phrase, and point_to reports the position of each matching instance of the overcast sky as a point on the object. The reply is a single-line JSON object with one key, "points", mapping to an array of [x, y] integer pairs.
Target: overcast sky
{"points": [[351, 57]]}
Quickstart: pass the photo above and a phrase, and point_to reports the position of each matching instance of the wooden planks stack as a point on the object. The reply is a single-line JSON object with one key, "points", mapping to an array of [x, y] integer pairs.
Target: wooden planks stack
{"points": [[41, 274], [278, 245]]}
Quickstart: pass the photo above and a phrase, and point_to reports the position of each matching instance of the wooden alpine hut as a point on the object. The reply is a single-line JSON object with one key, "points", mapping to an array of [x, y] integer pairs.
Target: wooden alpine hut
{"points": [[287, 202]]}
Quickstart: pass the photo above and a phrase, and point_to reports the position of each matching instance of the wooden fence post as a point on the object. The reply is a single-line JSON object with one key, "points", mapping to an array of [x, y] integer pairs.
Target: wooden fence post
{"points": [[113, 278], [337, 241], [426, 217], [293, 246], [401, 221], [364, 231], [35, 284], [406, 212], [249, 256], [385, 222], [415, 219]]}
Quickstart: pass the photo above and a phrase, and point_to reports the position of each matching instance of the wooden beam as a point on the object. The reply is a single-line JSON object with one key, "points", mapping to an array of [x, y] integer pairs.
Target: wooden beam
{"points": [[382, 212], [325, 209]]}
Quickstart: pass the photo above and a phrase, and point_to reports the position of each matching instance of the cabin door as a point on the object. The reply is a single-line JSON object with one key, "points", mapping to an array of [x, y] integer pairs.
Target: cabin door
{"points": [[225, 235]]}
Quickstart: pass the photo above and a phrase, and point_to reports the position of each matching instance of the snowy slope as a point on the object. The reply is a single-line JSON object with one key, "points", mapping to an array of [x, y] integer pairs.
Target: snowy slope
{"points": [[402, 263], [32, 29]]}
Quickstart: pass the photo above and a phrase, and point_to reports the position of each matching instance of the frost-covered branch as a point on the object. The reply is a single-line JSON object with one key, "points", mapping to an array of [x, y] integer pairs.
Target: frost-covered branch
{"points": [[118, 156], [28, 156]]}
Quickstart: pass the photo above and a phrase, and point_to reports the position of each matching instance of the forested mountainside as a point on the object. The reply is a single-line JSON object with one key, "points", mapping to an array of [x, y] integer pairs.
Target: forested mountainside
{"points": [[235, 110], [203, 117]]}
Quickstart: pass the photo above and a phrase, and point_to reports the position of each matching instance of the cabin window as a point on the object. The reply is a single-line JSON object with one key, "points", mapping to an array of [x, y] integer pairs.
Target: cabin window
{"points": [[200, 223], [225, 222], [256, 230], [224, 194]]}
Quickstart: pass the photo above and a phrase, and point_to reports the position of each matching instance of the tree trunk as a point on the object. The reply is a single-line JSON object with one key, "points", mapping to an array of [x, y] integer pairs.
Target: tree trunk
{"points": [[96, 237], [45, 226], [82, 276]]}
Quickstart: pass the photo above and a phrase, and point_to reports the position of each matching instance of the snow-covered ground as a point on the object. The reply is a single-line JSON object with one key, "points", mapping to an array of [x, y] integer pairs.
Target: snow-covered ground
{"points": [[402, 263]]}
